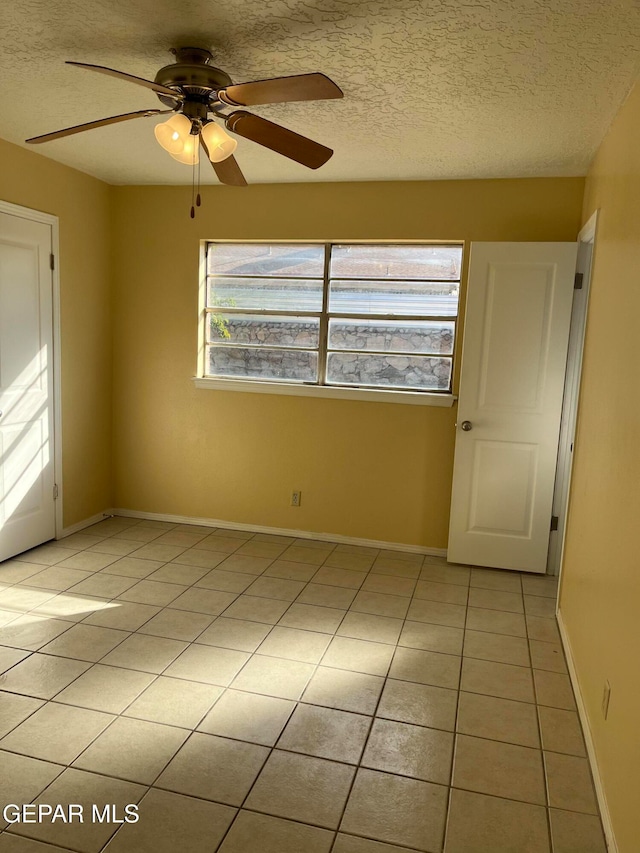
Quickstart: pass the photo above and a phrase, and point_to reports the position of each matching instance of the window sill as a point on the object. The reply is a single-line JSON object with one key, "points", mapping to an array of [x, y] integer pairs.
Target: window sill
{"points": [[411, 398]]}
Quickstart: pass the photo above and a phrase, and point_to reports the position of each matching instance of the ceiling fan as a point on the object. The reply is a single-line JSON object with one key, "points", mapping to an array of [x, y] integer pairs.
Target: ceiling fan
{"points": [[197, 94]]}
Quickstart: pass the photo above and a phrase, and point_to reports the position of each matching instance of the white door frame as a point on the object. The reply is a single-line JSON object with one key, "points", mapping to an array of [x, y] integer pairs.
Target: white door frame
{"points": [[48, 219], [564, 469]]}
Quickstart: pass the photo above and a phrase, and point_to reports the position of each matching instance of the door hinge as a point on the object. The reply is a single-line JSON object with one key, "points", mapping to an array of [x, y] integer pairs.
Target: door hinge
{"points": [[56, 491], [577, 281], [52, 261], [554, 522]]}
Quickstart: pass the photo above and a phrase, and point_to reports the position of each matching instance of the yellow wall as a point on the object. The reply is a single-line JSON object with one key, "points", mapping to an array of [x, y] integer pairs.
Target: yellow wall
{"points": [[372, 470], [82, 204], [600, 594]]}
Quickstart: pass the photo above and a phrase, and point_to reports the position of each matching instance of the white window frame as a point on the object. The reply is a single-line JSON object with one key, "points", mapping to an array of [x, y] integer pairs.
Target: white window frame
{"points": [[441, 399]]}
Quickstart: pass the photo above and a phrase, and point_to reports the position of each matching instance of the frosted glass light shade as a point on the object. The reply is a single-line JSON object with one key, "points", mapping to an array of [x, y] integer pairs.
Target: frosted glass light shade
{"points": [[173, 134], [219, 144], [189, 154]]}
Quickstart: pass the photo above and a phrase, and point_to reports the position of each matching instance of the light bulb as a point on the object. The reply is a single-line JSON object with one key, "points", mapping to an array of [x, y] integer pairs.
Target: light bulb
{"points": [[173, 134], [219, 144], [189, 153]]}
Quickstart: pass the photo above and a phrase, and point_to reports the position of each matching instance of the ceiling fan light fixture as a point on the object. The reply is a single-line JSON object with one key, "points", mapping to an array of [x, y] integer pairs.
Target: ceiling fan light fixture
{"points": [[189, 154], [173, 135], [219, 144]]}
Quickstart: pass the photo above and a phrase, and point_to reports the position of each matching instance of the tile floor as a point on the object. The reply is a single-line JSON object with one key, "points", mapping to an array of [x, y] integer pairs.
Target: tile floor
{"points": [[260, 693]]}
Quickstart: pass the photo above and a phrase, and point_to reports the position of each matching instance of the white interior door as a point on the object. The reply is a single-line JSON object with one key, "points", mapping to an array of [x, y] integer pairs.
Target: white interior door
{"points": [[27, 508], [513, 366]]}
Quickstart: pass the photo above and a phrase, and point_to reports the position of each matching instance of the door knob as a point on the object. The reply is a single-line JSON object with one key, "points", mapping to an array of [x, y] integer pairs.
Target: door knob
{"points": [[466, 425]]}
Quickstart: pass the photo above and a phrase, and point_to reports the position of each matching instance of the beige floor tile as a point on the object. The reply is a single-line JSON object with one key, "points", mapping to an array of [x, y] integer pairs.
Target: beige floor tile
{"points": [[496, 622], [273, 538], [553, 689], [364, 626], [540, 628], [208, 664], [408, 750], [276, 835], [497, 647], [177, 624], [198, 558], [252, 608], [284, 679], [395, 567], [155, 551], [326, 596], [223, 544], [14, 571], [145, 653], [85, 789], [214, 768], [479, 824], [499, 769], [234, 634], [248, 716], [31, 632], [14, 709], [426, 667], [309, 617], [433, 638], [265, 550], [420, 704], [132, 567], [397, 810], [449, 593], [445, 574], [103, 585], [339, 577], [42, 676], [547, 656], [88, 561], [198, 600], [437, 613], [245, 564], [22, 779], [303, 554], [174, 702], [544, 585], [576, 833], [18, 844], [171, 822], [353, 562], [294, 644], [561, 731], [58, 578], [47, 555], [279, 588], [348, 691], [326, 733], [225, 581], [56, 732], [23, 599], [175, 573], [405, 557], [389, 585], [359, 656], [381, 605], [188, 538], [291, 571], [498, 719], [496, 579], [152, 592], [140, 533], [105, 688], [69, 607], [497, 679], [569, 783], [135, 750], [85, 642], [7, 616], [120, 547], [492, 599], [298, 787], [537, 605], [352, 844]]}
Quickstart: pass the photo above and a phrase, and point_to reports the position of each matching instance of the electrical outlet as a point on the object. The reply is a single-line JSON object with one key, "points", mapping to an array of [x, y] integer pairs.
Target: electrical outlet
{"points": [[296, 498], [606, 696]]}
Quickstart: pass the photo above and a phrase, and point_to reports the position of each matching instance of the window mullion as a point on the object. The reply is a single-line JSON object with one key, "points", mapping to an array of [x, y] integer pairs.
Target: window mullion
{"points": [[324, 319]]}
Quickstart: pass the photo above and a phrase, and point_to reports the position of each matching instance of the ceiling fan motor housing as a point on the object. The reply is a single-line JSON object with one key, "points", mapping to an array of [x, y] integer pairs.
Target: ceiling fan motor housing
{"points": [[192, 74]]}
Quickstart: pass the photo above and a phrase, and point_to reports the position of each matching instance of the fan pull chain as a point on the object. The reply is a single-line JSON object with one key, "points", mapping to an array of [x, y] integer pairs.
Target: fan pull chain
{"points": [[193, 179], [198, 199]]}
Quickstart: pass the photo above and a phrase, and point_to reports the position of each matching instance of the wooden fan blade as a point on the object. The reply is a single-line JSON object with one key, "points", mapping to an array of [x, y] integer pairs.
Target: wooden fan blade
{"points": [[300, 87], [279, 139], [227, 171], [79, 128], [148, 84]]}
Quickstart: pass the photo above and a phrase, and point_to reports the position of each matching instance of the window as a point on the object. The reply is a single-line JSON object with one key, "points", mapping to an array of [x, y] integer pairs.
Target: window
{"points": [[360, 315]]}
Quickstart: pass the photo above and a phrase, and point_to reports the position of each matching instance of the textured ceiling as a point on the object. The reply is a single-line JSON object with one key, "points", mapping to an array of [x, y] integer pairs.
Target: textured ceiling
{"points": [[433, 89]]}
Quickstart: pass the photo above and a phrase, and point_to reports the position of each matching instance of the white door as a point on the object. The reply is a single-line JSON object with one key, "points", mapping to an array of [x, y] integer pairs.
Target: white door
{"points": [[513, 365], [27, 509]]}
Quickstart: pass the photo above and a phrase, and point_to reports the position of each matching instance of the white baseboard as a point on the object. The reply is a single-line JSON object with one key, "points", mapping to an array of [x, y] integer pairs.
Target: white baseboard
{"points": [[281, 531], [612, 846], [86, 522]]}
